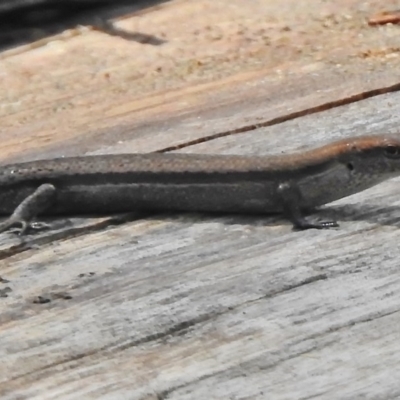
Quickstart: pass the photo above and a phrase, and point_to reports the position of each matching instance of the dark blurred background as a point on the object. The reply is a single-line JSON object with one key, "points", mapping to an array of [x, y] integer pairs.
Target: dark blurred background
{"points": [[24, 21]]}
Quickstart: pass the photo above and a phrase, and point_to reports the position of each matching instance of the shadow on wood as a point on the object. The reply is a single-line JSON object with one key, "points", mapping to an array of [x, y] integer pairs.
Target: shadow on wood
{"points": [[25, 21]]}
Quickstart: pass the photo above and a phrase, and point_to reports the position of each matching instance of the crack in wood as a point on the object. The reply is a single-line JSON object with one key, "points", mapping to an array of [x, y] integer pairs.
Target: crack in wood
{"points": [[288, 117], [171, 331], [311, 279], [164, 394], [33, 243], [178, 329]]}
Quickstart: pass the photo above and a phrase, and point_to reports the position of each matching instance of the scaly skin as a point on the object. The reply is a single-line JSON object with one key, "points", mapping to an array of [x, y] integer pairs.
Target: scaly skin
{"points": [[289, 183]]}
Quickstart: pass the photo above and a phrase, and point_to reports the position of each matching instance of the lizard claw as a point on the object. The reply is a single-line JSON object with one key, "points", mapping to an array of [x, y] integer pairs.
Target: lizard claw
{"points": [[25, 226], [29, 208], [39, 226], [304, 224], [10, 222]]}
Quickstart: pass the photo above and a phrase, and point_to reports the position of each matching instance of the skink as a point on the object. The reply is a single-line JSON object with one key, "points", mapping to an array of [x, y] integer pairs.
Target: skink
{"points": [[291, 184]]}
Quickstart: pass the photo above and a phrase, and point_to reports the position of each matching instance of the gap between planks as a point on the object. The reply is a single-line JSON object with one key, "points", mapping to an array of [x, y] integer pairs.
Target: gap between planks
{"points": [[288, 117]]}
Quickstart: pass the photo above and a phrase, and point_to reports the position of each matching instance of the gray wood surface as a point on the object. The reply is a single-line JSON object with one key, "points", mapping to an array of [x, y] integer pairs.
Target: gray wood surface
{"points": [[197, 306]]}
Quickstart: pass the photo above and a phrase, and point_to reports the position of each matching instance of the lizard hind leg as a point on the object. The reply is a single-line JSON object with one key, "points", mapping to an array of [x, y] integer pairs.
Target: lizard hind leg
{"points": [[40, 200]]}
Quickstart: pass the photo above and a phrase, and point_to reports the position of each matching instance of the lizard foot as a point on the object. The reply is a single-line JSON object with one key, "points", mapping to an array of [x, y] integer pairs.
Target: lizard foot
{"points": [[29, 208], [302, 224]]}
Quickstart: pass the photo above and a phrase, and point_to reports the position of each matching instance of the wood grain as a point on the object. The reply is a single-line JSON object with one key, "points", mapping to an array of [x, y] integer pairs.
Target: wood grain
{"points": [[195, 306]]}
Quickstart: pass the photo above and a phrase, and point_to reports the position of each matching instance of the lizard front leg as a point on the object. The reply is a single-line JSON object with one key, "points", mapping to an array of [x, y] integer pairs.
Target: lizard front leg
{"points": [[40, 200], [292, 200]]}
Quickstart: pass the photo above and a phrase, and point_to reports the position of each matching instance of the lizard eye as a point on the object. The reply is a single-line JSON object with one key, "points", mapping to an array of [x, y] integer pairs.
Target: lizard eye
{"points": [[392, 151]]}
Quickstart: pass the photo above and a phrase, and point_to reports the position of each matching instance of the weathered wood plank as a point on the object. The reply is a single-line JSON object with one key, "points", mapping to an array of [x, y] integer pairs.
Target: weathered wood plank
{"points": [[236, 64], [201, 306]]}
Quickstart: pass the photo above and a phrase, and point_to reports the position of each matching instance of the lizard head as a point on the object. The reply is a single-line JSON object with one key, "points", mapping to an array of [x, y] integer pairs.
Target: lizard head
{"points": [[372, 155]]}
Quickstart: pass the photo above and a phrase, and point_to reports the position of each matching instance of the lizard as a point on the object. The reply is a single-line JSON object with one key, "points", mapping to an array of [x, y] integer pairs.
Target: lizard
{"points": [[291, 184]]}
